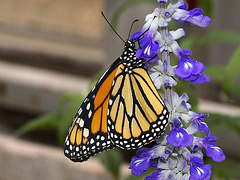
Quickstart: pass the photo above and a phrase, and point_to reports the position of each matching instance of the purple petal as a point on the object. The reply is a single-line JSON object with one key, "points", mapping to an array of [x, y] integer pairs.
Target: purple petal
{"points": [[145, 152], [215, 152], [169, 150], [139, 166], [194, 17], [184, 53], [151, 49], [198, 67], [139, 53], [184, 69], [179, 137], [183, 107], [136, 35], [202, 126], [162, 1], [201, 79], [210, 139], [199, 171], [145, 41], [177, 123], [196, 12], [190, 70], [165, 66], [154, 176], [184, 6]]}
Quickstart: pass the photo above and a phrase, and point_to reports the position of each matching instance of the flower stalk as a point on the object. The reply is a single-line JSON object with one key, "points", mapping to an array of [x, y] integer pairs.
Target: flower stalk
{"points": [[177, 155]]}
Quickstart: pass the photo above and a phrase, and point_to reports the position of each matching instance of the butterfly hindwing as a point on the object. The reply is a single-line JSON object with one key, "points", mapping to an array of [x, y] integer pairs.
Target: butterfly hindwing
{"points": [[88, 134], [137, 112]]}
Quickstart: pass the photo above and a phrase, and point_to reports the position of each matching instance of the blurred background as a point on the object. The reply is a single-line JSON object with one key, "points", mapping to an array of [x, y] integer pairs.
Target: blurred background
{"points": [[51, 51]]}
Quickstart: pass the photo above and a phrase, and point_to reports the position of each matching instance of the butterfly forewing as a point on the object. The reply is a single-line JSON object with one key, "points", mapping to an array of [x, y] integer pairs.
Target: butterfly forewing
{"points": [[88, 133]]}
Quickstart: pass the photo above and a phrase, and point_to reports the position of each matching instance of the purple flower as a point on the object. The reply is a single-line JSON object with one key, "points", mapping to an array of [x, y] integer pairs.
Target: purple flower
{"points": [[202, 126], [199, 171], [212, 150], [139, 165], [162, 1], [162, 74], [177, 11], [178, 136], [148, 49], [169, 43], [177, 155], [193, 17], [190, 70], [180, 107]]}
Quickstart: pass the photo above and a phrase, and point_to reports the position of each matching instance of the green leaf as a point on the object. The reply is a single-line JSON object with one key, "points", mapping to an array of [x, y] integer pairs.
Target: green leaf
{"points": [[215, 72], [232, 71], [188, 42], [67, 98], [236, 90], [147, 173], [48, 121], [228, 169], [112, 161], [124, 7], [219, 36], [71, 102], [218, 121], [207, 6]]}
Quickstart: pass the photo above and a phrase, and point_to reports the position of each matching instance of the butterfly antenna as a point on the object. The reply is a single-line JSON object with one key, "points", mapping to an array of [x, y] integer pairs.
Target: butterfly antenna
{"points": [[132, 27], [112, 27]]}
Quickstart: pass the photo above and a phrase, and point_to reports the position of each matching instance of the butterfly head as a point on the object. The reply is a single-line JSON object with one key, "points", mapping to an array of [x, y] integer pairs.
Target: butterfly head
{"points": [[129, 46], [129, 59]]}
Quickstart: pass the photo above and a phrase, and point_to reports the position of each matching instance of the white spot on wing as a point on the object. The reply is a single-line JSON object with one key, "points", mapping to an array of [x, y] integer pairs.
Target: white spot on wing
{"points": [[85, 132], [81, 123], [88, 106], [89, 114]]}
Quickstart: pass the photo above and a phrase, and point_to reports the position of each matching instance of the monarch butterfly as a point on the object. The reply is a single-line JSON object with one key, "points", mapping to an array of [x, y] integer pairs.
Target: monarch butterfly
{"points": [[123, 109]]}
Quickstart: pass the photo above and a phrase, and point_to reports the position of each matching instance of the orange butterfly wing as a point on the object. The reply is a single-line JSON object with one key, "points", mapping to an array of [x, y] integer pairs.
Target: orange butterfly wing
{"points": [[88, 133], [137, 112]]}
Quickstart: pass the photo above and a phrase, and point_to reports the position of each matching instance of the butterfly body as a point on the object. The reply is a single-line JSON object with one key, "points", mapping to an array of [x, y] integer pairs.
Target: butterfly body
{"points": [[123, 109]]}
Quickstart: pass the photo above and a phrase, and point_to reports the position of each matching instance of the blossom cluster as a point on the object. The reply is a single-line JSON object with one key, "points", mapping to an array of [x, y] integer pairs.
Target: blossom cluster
{"points": [[177, 155]]}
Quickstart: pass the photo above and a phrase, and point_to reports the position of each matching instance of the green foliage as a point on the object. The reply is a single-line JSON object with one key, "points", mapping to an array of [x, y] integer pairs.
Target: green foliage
{"points": [[148, 172], [112, 161], [227, 75], [226, 36], [207, 6], [217, 121], [231, 72], [39, 123], [59, 120], [226, 170]]}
